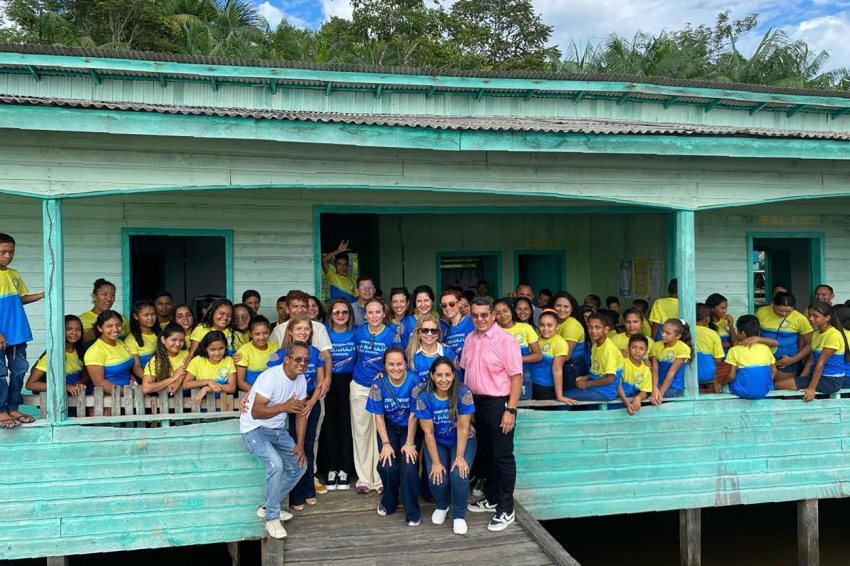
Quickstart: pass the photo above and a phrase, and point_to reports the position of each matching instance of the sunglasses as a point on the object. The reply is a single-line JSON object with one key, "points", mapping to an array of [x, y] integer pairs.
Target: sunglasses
{"points": [[429, 331], [448, 305], [300, 360], [340, 313], [480, 315], [367, 287]]}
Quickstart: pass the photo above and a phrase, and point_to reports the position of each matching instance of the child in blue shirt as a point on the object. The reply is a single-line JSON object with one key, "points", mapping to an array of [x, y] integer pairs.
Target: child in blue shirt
{"points": [[751, 367], [392, 401], [14, 334]]}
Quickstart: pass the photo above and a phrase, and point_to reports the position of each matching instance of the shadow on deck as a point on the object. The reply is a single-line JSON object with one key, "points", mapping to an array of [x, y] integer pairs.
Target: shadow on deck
{"points": [[345, 529]]}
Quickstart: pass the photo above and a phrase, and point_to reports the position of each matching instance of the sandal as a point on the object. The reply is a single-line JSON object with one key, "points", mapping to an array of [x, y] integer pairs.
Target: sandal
{"points": [[9, 423], [311, 501], [297, 507], [22, 418]]}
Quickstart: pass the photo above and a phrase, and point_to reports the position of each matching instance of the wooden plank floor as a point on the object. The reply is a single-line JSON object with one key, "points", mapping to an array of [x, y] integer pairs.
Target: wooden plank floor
{"points": [[343, 528]]}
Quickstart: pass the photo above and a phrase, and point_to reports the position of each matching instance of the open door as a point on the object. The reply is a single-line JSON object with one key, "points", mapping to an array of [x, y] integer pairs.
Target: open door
{"points": [[793, 262]]}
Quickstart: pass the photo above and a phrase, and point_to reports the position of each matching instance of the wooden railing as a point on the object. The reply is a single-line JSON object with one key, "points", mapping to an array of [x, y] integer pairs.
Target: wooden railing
{"points": [[130, 404]]}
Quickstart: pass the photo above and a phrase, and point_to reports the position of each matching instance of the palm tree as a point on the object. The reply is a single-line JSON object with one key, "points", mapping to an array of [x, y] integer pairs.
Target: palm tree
{"points": [[206, 27]]}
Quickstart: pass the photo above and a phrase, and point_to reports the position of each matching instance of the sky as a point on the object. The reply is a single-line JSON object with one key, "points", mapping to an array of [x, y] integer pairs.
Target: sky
{"points": [[824, 24]]}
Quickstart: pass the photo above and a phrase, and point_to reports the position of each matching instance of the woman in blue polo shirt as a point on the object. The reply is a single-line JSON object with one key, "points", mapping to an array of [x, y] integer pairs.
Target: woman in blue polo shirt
{"points": [[335, 460], [455, 326], [371, 340], [392, 402], [444, 408]]}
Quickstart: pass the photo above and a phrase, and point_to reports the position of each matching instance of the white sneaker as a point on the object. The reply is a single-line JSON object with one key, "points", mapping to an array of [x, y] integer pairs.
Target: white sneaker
{"points": [[381, 511], [438, 517], [284, 515], [415, 523], [275, 529], [459, 526], [500, 521]]}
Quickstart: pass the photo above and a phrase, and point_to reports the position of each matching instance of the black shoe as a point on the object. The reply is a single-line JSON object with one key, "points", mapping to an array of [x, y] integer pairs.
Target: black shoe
{"points": [[482, 506], [330, 482], [500, 521]]}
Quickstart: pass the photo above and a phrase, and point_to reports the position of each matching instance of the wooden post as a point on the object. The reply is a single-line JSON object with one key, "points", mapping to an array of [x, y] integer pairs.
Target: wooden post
{"points": [[58, 560], [690, 533], [808, 535], [685, 254], [272, 551], [233, 549], [54, 309]]}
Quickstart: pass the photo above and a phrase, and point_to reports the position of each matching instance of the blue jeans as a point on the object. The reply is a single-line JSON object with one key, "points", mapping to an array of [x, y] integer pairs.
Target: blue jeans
{"points": [[306, 487], [589, 394], [525, 394], [453, 486], [13, 362], [273, 447], [672, 392], [399, 477]]}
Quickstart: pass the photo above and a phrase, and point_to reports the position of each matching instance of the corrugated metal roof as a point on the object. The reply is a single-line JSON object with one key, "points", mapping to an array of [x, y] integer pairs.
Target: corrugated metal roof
{"points": [[456, 123], [533, 75]]}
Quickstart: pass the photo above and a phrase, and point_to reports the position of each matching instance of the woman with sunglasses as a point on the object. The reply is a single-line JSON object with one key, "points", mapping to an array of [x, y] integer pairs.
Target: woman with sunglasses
{"points": [[425, 347], [455, 326], [371, 340], [335, 460]]}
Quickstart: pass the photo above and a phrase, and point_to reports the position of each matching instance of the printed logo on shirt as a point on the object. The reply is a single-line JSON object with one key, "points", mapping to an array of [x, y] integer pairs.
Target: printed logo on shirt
{"points": [[669, 355], [639, 377], [785, 324], [15, 282], [546, 348], [274, 357], [222, 372], [596, 366]]}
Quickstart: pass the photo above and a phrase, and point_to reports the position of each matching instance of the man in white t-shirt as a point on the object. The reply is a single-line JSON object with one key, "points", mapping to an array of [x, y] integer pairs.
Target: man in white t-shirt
{"points": [[278, 391], [296, 303]]}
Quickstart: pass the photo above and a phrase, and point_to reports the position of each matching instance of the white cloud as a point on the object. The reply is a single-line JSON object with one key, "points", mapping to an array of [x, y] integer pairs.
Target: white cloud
{"points": [[829, 33], [275, 15], [337, 8]]}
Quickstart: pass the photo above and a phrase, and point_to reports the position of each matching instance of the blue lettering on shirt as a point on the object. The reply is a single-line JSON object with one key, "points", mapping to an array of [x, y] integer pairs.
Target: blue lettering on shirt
{"points": [[454, 336], [344, 352], [370, 353], [394, 403], [429, 407]]}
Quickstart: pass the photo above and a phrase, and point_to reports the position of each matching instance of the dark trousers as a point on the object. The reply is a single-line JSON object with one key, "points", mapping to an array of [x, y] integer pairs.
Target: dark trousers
{"points": [[336, 449], [305, 488], [496, 452], [400, 478]]}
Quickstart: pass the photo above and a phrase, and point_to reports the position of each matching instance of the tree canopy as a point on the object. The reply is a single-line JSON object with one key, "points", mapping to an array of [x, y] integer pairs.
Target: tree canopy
{"points": [[469, 34]]}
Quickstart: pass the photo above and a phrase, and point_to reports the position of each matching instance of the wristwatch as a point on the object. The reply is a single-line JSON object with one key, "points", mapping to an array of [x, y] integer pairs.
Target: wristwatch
{"points": [[511, 410]]}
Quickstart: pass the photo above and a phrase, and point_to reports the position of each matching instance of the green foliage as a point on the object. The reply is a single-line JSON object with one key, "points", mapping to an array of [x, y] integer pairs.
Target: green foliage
{"points": [[469, 34]]}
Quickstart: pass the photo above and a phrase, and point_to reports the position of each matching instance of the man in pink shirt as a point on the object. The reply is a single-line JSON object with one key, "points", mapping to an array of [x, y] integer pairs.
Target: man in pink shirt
{"points": [[492, 365]]}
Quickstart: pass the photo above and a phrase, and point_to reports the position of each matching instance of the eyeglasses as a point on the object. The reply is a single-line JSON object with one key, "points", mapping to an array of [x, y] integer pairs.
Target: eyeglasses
{"points": [[300, 361], [448, 305], [480, 315], [367, 287], [429, 330], [340, 313]]}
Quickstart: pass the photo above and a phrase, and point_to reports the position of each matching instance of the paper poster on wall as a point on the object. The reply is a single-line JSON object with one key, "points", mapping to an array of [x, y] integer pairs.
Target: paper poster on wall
{"points": [[657, 284], [640, 278], [624, 279]]}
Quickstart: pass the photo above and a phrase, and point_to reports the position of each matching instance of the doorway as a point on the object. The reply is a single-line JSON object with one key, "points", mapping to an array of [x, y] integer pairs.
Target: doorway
{"points": [[794, 262], [363, 234], [541, 270], [466, 269], [188, 264]]}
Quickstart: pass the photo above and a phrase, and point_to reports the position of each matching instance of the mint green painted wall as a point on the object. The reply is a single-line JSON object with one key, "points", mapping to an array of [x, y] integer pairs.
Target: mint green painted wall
{"points": [[200, 94], [593, 244]]}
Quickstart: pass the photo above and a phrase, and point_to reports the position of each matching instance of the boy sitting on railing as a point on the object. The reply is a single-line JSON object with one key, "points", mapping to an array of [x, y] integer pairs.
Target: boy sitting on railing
{"points": [[752, 364]]}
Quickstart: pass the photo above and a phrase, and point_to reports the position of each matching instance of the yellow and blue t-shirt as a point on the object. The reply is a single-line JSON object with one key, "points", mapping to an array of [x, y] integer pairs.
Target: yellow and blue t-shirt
{"points": [[752, 378], [432, 408], [606, 359], [240, 338], [395, 403], [202, 368], [117, 362], [622, 342], [793, 326], [636, 378], [202, 330], [73, 367], [723, 331], [341, 286], [254, 360], [646, 327], [666, 355], [175, 361], [708, 345], [145, 351], [571, 330], [663, 309], [541, 372], [14, 325], [831, 339], [88, 319], [524, 335]]}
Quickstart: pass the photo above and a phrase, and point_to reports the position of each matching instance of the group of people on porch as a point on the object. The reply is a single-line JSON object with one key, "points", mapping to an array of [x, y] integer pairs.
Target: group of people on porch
{"points": [[416, 396]]}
